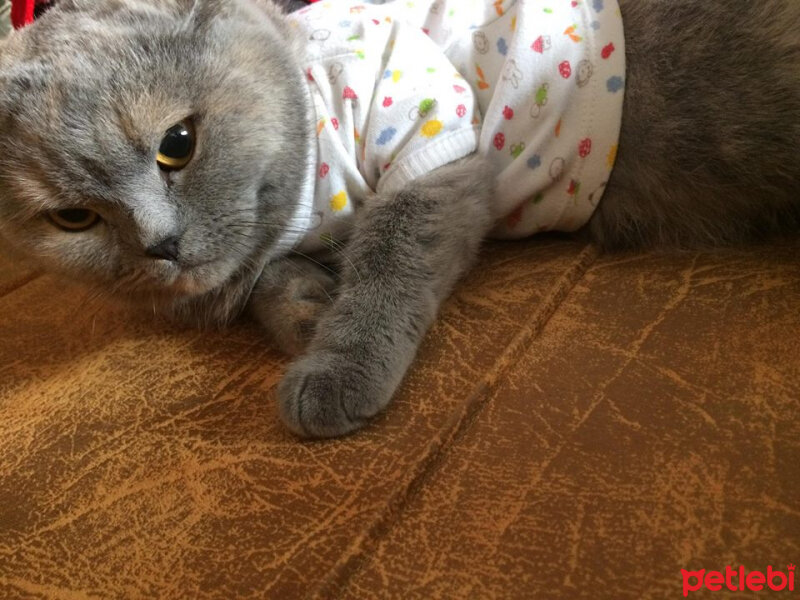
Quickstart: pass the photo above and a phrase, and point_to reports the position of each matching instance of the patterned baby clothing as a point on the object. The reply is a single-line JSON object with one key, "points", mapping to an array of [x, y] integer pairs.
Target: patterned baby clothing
{"points": [[405, 87], [389, 107]]}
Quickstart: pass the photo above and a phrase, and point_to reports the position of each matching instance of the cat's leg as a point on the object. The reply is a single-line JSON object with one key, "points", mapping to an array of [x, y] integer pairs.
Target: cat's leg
{"points": [[406, 253], [289, 299]]}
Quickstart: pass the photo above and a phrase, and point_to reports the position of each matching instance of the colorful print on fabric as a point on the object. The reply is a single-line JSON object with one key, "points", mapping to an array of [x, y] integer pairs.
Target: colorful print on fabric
{"points": [[404, 87]]}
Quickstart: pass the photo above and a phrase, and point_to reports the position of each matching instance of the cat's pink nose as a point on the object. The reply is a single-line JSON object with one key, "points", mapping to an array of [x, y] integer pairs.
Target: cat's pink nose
{"points": [[166, 249]]}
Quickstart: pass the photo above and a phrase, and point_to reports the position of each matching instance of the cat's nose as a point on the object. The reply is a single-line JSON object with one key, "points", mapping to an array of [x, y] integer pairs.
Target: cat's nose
{"points": [[166, 249]]}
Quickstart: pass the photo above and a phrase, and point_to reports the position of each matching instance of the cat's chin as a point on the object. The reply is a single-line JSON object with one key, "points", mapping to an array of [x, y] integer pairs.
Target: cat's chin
{"points": [[169, 283], [181, 290], [194, 295], [188, 284]]}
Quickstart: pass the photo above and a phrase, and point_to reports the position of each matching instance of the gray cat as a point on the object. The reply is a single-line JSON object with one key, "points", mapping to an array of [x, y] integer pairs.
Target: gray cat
{"points": [[154, 149]]}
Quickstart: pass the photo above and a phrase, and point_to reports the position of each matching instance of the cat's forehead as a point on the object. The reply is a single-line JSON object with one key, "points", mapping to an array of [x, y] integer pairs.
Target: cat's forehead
{"points": [[76, 71], [84, 125], [78, 97]]}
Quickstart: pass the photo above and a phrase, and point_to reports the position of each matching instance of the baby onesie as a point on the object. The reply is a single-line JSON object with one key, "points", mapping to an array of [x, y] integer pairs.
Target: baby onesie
{"points": [[405, 87]]}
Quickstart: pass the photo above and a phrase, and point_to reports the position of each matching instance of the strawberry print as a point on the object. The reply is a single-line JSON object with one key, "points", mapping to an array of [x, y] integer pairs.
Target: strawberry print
{"points": [[335, 123], [584, 148], [499, 141], [324, 169], [461, 110], [387, 101], [508, 113], [540, 44], [514, 219], [607, 50], [574, 187], [565, 69], [459, 89], [349, 94]]}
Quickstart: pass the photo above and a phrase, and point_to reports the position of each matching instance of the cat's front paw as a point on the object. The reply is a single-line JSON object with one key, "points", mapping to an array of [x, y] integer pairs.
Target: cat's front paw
{"points": [[324, 395]]}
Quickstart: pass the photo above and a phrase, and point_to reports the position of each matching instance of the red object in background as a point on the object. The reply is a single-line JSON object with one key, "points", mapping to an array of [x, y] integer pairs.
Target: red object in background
{"points": [[25, 12], [22, 12]]}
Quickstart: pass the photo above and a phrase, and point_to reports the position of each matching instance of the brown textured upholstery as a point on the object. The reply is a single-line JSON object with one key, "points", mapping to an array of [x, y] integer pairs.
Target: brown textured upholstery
{"points": [[576, 425]]}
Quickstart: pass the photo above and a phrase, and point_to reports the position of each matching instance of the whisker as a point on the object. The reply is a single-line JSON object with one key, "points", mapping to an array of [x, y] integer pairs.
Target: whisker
{"points": [[316, 262], [339, 248], [324, 290]]}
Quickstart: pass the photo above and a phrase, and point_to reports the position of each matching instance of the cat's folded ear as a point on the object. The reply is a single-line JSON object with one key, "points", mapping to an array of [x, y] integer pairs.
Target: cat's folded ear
{"points": [[19, 80], [89, 6], [72, 4], [204, 12]]}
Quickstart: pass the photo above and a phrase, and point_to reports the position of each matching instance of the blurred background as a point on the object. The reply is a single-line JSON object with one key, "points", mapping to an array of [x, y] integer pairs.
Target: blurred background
{"points": [[5, 19]]}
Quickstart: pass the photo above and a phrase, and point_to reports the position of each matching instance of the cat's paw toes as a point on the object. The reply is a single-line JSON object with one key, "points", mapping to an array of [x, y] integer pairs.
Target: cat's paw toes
{"points": [[322, 396]]}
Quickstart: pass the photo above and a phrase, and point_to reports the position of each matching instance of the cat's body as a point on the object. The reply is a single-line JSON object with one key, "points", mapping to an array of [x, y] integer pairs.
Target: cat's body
{"points": [[710, 130], [707, 156]]}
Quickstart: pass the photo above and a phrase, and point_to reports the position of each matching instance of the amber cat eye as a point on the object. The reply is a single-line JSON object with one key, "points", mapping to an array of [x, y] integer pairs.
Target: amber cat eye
{"points": [[74, 219], [177, 147]]}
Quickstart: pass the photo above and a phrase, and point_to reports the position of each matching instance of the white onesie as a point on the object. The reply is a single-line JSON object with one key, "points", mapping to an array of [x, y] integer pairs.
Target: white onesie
{"points": [[405, 87]]}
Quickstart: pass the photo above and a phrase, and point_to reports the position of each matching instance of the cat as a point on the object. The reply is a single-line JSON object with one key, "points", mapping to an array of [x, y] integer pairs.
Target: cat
{"points": [[159, 150]]}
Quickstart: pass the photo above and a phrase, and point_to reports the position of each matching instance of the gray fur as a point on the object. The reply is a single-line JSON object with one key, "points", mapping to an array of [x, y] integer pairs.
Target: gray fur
{"points": [[407, 252], [707, 156], [708, 153], [85, 96], [289, 298]]}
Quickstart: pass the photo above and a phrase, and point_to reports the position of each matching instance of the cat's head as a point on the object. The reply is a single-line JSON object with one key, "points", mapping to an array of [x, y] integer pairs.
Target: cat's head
{"points": [[151, 147]]}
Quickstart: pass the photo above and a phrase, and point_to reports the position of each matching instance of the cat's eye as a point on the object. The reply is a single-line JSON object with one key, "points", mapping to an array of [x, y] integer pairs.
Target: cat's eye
{"points": [[177, 147], [74, 219]]}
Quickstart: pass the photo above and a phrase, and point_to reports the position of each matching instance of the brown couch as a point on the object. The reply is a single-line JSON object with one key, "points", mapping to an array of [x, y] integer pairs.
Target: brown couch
{"points": [[575, 426]]}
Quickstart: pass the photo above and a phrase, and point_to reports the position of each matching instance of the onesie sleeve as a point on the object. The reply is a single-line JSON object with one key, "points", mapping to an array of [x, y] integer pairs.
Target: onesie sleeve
{"points": [[423, 115]]}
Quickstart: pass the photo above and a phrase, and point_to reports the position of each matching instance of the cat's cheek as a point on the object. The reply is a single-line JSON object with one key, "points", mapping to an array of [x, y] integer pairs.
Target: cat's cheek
{"points": [[88, 256]]}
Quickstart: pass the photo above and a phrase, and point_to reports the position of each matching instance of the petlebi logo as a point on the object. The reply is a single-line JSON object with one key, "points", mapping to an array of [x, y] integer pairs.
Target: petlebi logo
{"points": [[737, 579]]}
